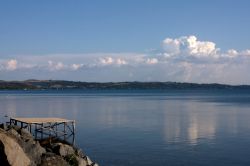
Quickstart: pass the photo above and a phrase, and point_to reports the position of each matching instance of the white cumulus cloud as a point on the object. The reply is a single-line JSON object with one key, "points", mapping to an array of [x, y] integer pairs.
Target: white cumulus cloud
{"points": [[184, 58], [106, 60], [121, 62], [152, 61], [112, 61], [246, 52], [56, 65], [232, 53], [189, 46], [11, 65], [171, 46], [76, 66]]}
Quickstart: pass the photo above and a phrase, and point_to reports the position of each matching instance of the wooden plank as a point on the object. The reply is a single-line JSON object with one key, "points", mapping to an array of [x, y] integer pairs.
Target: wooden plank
{"points": [[42, 120]]}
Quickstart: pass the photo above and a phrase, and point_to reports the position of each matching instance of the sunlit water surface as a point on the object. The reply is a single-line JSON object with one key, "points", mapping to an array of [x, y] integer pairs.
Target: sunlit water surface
{"points": [[144, 128]]}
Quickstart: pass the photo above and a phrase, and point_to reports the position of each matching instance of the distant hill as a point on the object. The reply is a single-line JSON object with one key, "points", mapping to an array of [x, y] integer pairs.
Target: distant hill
{"points": [[61, 84]]}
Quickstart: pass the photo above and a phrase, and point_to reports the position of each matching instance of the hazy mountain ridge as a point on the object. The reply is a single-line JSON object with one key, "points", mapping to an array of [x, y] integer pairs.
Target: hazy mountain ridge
{"points": [[61, 84]]}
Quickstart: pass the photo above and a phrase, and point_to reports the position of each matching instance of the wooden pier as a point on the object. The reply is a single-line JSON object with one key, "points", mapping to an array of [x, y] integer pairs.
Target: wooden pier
{"points": [[47, 127]]}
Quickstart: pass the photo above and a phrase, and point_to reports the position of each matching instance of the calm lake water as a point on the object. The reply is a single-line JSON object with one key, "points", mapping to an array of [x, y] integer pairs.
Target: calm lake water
{"points": [[145, 128]]}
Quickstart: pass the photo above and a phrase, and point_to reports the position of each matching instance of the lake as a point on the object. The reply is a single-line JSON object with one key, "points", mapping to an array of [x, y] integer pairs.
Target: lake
{"points": [[145, 128]]}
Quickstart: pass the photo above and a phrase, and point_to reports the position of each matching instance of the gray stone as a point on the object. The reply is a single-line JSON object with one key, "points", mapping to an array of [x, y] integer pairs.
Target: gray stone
{"points": [[63, 149], [25, 134], [81, 162], [80, 153], [51, 159], [18, 148], [34, 151], [31, 148], [89, 162], [14, 154], [3, 157], [14, 133], [17, 128]]}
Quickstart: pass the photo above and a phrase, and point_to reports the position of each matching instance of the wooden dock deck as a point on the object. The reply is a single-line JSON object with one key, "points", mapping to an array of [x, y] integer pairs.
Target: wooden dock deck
{"points": [[50, 127]]}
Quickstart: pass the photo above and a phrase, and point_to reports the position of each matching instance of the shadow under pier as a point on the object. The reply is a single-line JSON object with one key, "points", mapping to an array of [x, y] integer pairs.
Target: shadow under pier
{"points": [[48, 128]]}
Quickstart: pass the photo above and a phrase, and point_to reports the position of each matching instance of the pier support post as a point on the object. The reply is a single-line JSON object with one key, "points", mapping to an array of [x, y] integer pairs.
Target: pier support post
{"points": [[47, 127]]}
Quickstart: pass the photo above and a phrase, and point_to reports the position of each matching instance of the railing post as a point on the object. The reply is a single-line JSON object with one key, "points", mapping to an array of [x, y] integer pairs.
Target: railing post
{"points": [[64, 130], [35, 131]]}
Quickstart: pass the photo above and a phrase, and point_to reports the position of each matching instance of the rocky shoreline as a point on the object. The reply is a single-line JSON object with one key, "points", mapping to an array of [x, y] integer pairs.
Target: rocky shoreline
{"points": [[18, 148]]}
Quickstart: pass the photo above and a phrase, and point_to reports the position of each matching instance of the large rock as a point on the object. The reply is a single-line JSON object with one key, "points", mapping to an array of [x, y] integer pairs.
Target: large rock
{"points": [[11, 152], [17, 128], [25, 134], [51, 159], [63, 149], [89, 162], [32, 148], [34, 151], [18, 148], [80, 153], [13, 132], [81, 161], [3, 157]]}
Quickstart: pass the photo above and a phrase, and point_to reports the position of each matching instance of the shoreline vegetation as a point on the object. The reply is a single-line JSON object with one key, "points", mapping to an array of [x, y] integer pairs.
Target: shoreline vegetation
{"points": [[63, 85]]}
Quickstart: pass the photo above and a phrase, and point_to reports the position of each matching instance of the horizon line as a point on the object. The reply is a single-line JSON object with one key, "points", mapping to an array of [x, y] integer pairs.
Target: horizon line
{"points": [[212, 83]]}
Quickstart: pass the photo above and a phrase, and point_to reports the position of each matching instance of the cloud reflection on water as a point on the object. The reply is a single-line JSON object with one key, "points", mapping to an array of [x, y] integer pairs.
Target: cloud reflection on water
{"points": [[190, 122]]}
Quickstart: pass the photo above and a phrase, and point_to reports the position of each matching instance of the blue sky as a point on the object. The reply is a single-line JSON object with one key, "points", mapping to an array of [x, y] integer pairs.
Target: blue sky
{"points": [[39, 34]]}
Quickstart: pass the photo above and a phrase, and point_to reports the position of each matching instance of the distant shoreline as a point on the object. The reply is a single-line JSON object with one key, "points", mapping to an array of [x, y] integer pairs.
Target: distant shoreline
{"points": [[63, 85]]}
